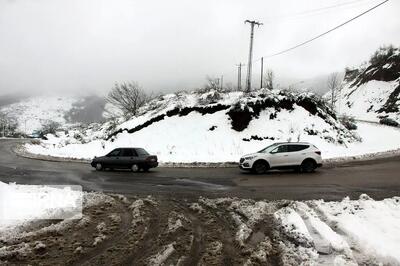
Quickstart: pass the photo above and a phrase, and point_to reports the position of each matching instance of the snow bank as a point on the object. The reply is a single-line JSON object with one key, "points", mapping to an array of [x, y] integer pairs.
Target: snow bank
{"points": [[373, 226], [23, 203], [361, 231]]}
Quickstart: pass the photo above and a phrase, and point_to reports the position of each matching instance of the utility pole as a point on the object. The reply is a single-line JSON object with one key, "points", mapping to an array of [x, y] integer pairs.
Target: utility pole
{"points": [[252, 23], [239, 85], [262, 72], [222, 82]]}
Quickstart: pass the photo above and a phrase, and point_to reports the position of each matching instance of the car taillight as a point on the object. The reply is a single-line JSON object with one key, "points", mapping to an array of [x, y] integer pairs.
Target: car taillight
{"points": [[318, 152]]}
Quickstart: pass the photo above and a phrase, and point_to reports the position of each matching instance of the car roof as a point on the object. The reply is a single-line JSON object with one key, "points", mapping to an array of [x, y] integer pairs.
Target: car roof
{"points": [[128, 148], [295, 143]]}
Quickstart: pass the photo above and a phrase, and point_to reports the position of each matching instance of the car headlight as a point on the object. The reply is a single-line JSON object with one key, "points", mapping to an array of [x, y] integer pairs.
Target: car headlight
{"points": [[249, 157]]}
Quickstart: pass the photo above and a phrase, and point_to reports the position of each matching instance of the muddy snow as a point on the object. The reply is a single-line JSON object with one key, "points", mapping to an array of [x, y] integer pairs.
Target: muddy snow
{"points": [[116, 230]]}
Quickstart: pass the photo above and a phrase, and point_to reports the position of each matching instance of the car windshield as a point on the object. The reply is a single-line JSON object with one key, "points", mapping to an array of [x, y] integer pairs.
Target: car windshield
{"points": [[141, 151], [114, 153], [268, 149]]}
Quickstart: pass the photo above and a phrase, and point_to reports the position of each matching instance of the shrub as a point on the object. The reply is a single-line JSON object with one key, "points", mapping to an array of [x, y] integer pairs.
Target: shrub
{"points": [[389, 122], [348, 122]]}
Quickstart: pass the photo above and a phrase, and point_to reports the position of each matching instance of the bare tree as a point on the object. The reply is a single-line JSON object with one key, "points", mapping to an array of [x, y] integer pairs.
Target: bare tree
{"points": [[269, 79], [3, 123], [334, 85], [128, 97], [50, 127], [212, 83], [8, 125]]}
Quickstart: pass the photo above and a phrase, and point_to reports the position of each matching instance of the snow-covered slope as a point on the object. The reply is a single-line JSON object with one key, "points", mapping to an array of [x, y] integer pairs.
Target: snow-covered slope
{"points": [[31, 113], [208, 127], [372, 91]]}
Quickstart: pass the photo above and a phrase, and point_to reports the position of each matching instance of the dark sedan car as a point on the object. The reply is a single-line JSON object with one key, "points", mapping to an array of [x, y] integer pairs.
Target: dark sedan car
{"points": [[135, 159]]}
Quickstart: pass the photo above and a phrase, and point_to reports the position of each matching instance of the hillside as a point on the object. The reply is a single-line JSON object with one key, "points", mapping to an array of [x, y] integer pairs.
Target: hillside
{"points": [[209, 127], [372, 91]]}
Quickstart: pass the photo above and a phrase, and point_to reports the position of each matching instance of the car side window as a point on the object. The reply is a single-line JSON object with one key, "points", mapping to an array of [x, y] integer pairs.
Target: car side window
{"points": [[294, 148], [127, 153], [281, 149], [115, 153]]}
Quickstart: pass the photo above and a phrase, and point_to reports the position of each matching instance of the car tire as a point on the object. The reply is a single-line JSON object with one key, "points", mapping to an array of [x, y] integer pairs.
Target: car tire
{"points": [[308, 166], [135, 168], [260, 167], [99, 167]]}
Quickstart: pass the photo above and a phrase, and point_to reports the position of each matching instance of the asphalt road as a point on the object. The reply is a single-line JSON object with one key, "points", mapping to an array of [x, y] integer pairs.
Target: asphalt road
{"points": [[378, 178]]}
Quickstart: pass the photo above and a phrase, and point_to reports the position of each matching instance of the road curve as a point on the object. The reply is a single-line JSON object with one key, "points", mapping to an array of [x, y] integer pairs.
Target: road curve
{"points": [[378, 178]]}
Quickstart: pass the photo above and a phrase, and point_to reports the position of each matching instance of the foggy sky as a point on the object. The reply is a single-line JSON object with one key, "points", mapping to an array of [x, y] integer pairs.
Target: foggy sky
{"points": [[75, 46]]}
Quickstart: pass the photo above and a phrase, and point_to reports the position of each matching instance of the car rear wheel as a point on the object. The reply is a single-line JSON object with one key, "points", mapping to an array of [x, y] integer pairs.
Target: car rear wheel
{"points": [[260, 167], [308, 166], [99, 167], [135, 168]]}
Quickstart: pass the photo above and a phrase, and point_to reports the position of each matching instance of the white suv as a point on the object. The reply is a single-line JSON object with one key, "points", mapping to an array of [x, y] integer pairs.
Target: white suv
{"points": [[296, 155]]}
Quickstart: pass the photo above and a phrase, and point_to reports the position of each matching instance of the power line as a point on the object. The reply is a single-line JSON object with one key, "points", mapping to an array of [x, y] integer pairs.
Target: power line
{"points": [[325, 33], [313, 11], [320, 35]]}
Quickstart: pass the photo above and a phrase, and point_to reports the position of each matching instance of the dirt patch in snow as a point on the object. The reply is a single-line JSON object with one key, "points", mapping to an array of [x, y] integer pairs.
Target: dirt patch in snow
{"points": [[141, 231], [116, 230]]}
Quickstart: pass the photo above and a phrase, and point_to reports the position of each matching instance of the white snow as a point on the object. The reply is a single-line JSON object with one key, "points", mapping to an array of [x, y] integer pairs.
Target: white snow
{"points": [[365, 99], [162, 256], [20, 204], [291, 220], [185, 141], [373, 226], [33, 112], [361, 231]]}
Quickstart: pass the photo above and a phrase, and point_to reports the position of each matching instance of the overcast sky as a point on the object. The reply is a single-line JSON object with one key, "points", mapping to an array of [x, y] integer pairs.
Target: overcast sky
{"points": [[73, 46]]}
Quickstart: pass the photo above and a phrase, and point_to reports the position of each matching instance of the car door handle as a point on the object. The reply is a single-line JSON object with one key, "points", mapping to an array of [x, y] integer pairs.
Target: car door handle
{"points": [[286, 155]]}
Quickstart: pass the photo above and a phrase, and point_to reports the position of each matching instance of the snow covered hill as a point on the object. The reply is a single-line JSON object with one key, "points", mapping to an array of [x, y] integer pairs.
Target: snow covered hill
{"points": [[372, 91], [31, 113], [209, 126]]}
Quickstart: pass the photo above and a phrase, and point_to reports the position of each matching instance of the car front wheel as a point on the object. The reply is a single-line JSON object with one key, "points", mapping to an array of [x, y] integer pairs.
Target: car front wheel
{"points": [[260, 167]]}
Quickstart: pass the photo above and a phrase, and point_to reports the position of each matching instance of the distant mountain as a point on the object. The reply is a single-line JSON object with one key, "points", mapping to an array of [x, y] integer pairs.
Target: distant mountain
{"points": [[372, 91], [31, 113], [318, 84], [11, 98]]}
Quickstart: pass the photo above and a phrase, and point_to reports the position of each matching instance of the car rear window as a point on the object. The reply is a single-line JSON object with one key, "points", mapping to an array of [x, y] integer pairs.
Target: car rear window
{"points": [[141, 152], [297, 147]]}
